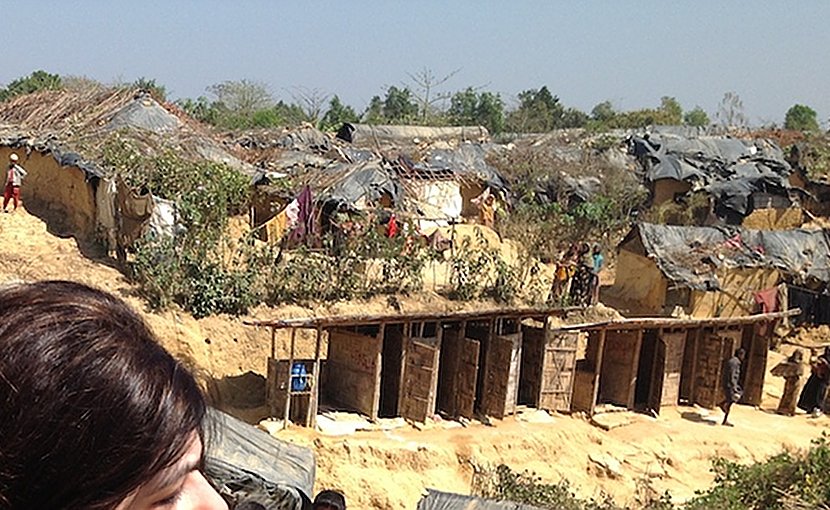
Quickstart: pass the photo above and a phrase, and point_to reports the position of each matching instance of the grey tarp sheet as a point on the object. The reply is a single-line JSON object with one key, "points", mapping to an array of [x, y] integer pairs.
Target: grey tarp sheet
{"points": [[690, 255], [437, 500], [145, 113], [246, 462], [468, 159], [367, 180], [730, 169], [374, 136]]}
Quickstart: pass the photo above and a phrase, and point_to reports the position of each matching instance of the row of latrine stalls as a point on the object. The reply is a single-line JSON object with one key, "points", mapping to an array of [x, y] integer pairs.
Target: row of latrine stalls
{"points": [[489, 364]]}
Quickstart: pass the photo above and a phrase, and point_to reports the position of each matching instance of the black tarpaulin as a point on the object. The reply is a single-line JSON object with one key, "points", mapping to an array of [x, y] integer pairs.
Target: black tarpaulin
{"points": [[730, 169], [249, 464]]}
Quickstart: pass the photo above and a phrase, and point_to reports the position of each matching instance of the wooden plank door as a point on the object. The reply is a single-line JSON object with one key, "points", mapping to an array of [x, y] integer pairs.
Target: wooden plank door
{"points": [[533, 358], [753, 371], [276, 391], [559, 364], [420, 378], [501, 377], [353, 370], [465, 381], [710, 352], [672, 347]]}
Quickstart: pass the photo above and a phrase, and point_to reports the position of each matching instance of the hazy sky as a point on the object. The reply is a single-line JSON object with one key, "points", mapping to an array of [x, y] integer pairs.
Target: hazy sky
{"points": [[773, 54]]}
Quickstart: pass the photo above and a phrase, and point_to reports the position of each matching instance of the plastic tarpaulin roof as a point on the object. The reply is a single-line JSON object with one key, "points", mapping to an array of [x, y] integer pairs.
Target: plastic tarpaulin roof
{"points": [[691, 255], [366, 181], [730, 169], [250, 464], [437, 500], [468, 159]]}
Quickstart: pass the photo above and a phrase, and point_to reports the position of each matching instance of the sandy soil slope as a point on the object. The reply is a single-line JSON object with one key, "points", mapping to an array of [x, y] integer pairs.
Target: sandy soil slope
{"points": [[390, 469]]}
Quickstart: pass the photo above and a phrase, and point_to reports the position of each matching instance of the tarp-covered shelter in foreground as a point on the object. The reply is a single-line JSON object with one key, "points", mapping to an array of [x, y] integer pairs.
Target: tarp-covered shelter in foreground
{"points": [[714, 272], [438, 500], [741, 176], [60, 137], [248, 464]]}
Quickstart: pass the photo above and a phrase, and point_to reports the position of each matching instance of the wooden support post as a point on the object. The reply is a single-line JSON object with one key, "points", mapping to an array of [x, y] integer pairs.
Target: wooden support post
{"points": [[407, 333], [632, 384], [699, 332], [289, 393], [378, 373], [598, 370], [314, 396], [273, 342]]}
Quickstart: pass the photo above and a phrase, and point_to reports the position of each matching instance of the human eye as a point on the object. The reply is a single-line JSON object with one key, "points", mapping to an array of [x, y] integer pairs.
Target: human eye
{"points": [[170, 500]]}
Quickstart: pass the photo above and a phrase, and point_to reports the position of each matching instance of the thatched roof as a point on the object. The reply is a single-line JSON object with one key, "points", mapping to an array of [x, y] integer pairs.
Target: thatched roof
{"points": [[74, 126]]}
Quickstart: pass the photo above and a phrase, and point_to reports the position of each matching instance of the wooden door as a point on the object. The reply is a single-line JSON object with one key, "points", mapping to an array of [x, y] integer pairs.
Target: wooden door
{"points": [[501, 377], [457, 373], [671, 349], [420, 378], [353, 370], [712, 351], [465, 381], [276, 391], [533, 358], [756, 343], [559, 363], [655, 393]]}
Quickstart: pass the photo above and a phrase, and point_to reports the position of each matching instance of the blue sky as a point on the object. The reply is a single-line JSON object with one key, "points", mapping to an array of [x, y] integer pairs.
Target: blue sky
{"points": [[773, 54]]}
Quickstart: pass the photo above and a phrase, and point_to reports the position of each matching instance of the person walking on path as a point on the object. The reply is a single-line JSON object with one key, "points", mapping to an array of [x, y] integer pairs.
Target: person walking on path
{"points": [[732, 391], [14, 178]]}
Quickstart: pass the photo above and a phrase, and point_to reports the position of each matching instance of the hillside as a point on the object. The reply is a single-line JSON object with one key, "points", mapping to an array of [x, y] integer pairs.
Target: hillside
{"points": [[389, 469]]}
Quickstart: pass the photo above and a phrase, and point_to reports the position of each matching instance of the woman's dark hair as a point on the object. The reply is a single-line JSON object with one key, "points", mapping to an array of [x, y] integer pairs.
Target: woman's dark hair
{"points": [[91, 406]]}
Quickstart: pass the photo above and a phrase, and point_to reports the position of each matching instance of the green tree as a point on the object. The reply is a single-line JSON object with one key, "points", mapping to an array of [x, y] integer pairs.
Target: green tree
{"points": [[801, 118], [201, 109], [374, 111], [696, 117], [38, 80], [157, 91], [237, 101], [337, 114], [399, 106], [536, 113], [468, 107], [540, 111], [671, 111], [603, 112]]}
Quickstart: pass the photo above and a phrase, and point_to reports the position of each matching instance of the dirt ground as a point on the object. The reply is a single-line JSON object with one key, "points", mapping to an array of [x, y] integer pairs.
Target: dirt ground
{"points": [[390, 469]]}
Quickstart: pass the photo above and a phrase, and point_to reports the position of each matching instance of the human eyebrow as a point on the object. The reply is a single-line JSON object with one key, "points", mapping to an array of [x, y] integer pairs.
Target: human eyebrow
{"points": [[175, 474]]}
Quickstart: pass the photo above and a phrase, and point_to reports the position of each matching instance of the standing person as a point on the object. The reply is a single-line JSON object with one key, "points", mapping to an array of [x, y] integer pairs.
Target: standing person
{"points": [[329, 500], [812, 395], [598, 261], [732, 391], [791, 370], [96, 415], [14, 178]]}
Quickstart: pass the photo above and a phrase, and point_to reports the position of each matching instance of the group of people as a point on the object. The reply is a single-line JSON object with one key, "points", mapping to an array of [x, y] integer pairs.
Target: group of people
{"points": [[96, 414], [576, 277], [813, 394]]}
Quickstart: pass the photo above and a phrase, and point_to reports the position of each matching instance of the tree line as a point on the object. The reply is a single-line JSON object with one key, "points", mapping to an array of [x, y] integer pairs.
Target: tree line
{"points": [[245, 104]]}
